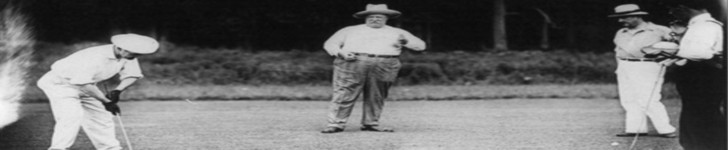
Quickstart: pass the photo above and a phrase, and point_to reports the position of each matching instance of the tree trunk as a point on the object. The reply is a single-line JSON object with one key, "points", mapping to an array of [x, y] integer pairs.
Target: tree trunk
{"points": [[500, 41], [544, 29], [428, 35], [545, 36]]}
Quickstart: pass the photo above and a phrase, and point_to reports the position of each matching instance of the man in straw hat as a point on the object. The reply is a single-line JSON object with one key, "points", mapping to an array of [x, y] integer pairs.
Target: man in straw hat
{"points": [[366, 64], [76, 101], [701, 81], [640, 78]]}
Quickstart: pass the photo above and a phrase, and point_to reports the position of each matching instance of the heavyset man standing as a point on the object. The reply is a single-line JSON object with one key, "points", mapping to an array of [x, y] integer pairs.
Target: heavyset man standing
{"points": [[366, 64], [76, 101], [639, 78]]}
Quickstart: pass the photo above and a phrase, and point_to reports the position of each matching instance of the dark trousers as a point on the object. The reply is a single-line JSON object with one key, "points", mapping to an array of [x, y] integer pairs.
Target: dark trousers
{"points": [[702, 88]]}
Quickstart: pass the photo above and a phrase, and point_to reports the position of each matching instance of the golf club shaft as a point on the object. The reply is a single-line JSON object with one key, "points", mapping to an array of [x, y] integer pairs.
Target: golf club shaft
{"points": [[123, 131]]}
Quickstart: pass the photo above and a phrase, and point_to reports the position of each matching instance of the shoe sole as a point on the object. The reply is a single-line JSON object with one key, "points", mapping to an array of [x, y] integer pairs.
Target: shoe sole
{"points": [[370, 130], [333, 131]]}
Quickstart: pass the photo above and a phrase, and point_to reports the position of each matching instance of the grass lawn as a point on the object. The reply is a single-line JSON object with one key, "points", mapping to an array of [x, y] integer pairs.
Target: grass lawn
{"points": [[576, 124], [323, 93]]}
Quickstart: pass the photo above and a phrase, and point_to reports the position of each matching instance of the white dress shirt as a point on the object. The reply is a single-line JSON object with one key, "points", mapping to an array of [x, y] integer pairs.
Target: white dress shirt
{"points": [[629, 42], [95, 64], [703, 39], [364, 39]]}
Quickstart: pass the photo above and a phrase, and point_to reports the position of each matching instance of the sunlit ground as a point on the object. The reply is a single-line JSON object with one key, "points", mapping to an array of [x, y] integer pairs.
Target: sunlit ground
{"points": [[474, 124]]}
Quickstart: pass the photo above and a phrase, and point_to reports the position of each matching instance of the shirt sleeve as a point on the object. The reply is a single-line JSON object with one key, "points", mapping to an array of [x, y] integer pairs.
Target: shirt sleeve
{"points": [[641, 40], [131, 69], [413, 42], [698, 42], [335, 42]]}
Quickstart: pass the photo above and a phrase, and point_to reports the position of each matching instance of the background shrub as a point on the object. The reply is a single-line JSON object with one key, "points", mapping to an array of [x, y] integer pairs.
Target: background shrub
{"points": [[188, 65]]}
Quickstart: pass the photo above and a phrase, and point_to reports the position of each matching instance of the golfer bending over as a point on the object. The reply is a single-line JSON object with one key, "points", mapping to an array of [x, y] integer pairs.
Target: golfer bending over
{"points": [[76, 101]]}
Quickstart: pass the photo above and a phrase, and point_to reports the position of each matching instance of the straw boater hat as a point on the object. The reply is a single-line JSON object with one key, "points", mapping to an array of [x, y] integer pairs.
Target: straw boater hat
{"points": [[627, 10], [135, 43], [377, 9]]}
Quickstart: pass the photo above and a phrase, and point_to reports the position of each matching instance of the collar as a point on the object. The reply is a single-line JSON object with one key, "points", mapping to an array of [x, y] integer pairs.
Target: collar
{"points": [[383, 27], [644, 26], [108, 52], [700, 18]]}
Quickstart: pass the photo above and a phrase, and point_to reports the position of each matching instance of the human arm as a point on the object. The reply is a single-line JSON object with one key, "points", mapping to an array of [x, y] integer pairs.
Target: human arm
{"points": [[410, 41], [334, 45], [661, 49], [93, 91], [698, 42], [129, 74], [641, 40]]}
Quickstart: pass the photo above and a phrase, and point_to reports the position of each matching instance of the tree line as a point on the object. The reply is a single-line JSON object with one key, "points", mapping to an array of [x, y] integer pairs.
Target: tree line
{"points": [[474, 25]]}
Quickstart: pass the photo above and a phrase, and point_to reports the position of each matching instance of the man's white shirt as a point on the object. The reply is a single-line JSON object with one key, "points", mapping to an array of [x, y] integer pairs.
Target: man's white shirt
{"points": [[95, 64], [364, 39], [703, 38]]}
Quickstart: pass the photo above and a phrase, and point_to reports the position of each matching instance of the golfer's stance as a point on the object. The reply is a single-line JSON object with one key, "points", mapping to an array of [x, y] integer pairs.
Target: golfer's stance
{"points": [[366, 64], [75, 99]]}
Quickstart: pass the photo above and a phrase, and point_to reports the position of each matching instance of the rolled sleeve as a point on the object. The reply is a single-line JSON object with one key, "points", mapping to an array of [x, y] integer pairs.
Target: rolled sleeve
{"points": [[641, 40], [335, 42], [131, 69], [413, 42]]}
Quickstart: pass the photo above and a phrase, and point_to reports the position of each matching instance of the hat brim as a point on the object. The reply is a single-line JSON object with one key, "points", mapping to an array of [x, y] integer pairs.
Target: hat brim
{"points": [[639, 13], [390, 13], [135, 43]]}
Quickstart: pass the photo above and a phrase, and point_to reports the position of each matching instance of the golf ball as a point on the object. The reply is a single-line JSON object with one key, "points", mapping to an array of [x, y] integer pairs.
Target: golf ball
{"points": [[615, 143]]}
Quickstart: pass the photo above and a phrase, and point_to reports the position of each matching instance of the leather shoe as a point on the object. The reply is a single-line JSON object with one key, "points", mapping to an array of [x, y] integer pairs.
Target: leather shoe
{"points": [[631, 134], [668, 135], [332, 130], [375, 129]]}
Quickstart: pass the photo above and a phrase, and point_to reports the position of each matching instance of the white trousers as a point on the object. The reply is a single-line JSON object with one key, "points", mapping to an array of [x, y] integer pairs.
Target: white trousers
{"points": [[639, 85], [73, 111]]}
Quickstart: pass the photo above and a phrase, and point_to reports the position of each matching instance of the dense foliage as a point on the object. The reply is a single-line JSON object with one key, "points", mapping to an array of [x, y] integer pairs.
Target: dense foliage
{"points": [[210, 66], [304, 24]]}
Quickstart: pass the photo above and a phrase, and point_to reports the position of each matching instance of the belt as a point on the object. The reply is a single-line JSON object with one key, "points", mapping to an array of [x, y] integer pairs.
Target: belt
{"points": [[639, 59], [375, 55]]}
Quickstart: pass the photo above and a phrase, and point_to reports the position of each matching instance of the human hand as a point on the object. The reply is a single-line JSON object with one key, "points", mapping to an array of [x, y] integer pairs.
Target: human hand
{"points": [[346, 55], [400, 41], [114, 96], [668, 62], [113, 108]]}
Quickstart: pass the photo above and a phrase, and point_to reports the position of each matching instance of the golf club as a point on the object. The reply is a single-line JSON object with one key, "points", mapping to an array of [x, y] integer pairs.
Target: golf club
{"points": [[123, 131], [644, 109], [121, 124]]}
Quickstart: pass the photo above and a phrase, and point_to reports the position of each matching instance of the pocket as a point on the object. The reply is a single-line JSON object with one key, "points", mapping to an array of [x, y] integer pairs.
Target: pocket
{"points": [[345, 78], [392, 65], [388, 70], [337, 61]]}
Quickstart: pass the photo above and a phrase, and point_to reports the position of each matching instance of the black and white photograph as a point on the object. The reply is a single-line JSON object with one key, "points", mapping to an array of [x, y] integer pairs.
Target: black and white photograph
{"points": [[363, 75]]}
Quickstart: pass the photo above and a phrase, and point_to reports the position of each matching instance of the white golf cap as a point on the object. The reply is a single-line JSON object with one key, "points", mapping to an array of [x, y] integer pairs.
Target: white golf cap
{"points": [[135, 43], [665, 45]]}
